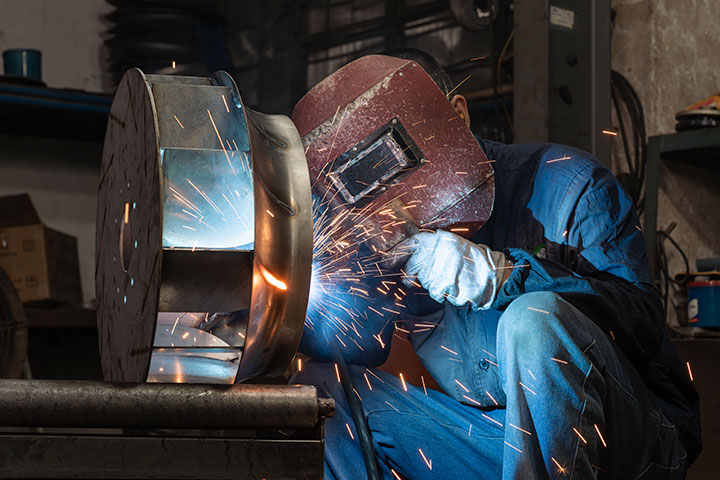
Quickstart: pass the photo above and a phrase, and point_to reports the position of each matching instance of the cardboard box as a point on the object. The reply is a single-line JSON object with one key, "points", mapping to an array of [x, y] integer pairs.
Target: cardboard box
{"points": [[42, 263]]}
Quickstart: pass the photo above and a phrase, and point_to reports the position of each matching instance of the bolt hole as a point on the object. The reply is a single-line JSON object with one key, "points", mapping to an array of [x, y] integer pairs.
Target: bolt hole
{"points": [[125, 241]]}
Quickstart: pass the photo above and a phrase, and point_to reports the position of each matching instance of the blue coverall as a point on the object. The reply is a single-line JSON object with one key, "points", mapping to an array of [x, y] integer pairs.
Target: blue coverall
{"points": [[570, 374]]}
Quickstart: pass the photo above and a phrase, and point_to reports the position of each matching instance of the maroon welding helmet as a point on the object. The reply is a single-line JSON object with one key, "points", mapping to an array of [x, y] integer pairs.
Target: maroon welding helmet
{"points": [[383, 142]]}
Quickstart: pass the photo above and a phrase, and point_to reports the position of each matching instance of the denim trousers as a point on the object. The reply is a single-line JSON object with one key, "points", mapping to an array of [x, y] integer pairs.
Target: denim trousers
{"points": [[574, 408]]}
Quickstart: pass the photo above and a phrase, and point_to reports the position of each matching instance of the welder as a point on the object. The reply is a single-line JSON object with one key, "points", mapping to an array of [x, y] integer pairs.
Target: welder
{"points": [[543, 331]]}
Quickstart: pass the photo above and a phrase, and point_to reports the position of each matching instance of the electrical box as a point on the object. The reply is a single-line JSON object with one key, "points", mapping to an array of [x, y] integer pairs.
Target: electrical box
{"points": [[561, 83]]}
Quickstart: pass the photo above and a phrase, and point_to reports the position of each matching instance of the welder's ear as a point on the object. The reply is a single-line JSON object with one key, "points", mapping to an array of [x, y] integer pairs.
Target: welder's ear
{"points": [[459, 103]]}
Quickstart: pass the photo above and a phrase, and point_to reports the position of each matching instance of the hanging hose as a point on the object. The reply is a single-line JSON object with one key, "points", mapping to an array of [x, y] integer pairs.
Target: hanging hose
{"points": [[358, 417]]}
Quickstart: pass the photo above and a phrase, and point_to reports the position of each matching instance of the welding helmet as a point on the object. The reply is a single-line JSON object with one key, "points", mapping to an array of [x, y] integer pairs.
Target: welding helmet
{"points": [[383, 142]]}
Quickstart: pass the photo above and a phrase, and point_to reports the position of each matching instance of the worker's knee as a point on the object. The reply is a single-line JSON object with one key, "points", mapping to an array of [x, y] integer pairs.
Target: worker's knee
{"points": [[532, 323]]}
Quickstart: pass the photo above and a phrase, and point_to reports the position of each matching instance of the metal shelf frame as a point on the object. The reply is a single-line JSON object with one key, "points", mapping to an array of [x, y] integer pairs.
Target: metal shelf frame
{"points": [[695, 147]]}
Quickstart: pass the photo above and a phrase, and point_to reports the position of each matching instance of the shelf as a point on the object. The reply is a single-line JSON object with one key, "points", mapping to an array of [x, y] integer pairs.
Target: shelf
{"points": [[34, 110], [695, 147], [60, 317]]}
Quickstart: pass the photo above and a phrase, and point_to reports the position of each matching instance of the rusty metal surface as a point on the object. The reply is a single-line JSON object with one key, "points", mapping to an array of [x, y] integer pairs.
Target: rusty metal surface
{"points": [[347, 107], [127, 303], [51, 403], [283, 246], [155, 457]]}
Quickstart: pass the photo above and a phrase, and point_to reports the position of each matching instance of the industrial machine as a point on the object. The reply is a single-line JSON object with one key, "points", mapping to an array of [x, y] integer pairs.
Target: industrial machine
{"points": [[203, 266]]}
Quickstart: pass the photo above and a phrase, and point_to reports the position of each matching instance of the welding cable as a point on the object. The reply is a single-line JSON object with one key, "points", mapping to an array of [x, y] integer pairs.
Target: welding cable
{"points": [[358, 415], [623, 94], [665, 280]]}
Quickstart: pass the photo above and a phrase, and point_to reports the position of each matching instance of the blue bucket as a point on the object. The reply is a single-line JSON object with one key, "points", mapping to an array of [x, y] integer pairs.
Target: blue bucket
{"points": [[704, 304], [22, 63]]}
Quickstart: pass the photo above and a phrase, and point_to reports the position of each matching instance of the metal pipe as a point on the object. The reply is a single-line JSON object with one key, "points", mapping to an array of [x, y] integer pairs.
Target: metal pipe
{"points": [[488, 93], [52, 403]]}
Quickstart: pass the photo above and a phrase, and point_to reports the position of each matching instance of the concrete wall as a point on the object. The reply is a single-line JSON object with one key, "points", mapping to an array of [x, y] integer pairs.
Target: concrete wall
{"points": [[69, 35], [60, 176], [665, 48]]}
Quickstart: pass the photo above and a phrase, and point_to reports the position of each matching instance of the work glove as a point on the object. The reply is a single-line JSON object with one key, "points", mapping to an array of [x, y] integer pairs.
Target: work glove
{"points": [[452, 268]]}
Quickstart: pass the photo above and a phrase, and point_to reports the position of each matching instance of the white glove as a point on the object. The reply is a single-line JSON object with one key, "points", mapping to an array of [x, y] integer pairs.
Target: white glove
{"points": [[452, 268]]}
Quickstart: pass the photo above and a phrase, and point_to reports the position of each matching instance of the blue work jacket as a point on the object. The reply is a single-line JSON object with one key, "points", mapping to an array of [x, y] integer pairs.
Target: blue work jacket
{"points": [[564, 216]]}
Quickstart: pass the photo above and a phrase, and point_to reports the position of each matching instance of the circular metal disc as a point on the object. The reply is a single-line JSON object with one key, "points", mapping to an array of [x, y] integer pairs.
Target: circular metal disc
{"points": [[128, 255]]}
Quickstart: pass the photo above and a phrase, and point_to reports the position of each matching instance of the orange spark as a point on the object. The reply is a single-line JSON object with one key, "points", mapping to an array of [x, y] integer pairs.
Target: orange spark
{"points": [[462, 386], [368, 381], [402, 379], [337, 372], [492, 420], [527, 388], [270, 213], [538, 310], [610, 132], [518, 428], [445, 348], [178, 120], [600, 436], [560, 468], [350, 431], [173, 64], [427, 462], [393, 406], [566, 157], [690, 372], [513, 447], [221, 142], [225, 102], [579, 435], [458, 85], [127, 213]]}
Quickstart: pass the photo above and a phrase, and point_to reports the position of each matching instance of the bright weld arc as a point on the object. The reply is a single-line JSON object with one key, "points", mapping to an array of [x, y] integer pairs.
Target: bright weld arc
{"points": [[272, 280]]}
